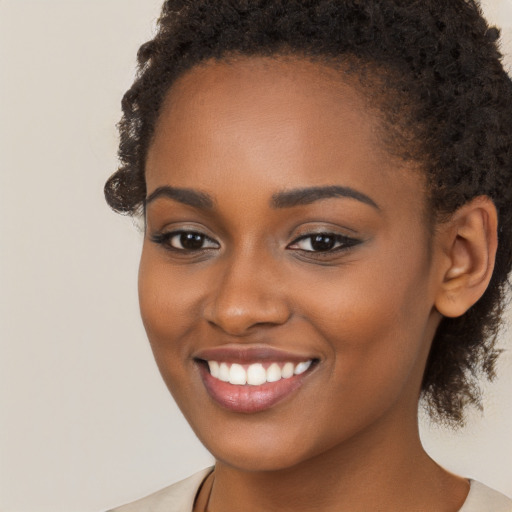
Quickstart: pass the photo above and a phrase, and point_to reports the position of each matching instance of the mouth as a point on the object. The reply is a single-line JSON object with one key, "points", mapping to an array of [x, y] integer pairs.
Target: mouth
{"points": [[256, 374], [240, 381]]}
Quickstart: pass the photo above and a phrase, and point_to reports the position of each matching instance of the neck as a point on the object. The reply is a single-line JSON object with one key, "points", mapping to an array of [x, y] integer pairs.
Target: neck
{"points": [[384, 465]]}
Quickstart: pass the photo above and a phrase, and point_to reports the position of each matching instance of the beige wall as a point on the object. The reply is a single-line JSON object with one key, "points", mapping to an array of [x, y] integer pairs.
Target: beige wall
{"points": [[85, 422]]}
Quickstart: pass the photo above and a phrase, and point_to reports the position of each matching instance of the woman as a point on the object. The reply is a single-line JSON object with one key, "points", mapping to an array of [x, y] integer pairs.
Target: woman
{"points": [[324, 184]]}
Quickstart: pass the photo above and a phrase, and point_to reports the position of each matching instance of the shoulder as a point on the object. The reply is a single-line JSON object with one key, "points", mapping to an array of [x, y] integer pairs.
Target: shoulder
{"points": [[484, 499], [178, 497]]}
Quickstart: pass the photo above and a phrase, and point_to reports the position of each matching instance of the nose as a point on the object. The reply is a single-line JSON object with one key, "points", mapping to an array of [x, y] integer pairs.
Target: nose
{"points": [[247, 295]]}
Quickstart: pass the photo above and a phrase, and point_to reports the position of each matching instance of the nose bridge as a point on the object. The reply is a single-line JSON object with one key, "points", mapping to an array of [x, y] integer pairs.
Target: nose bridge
{"points": [[247, 293]]}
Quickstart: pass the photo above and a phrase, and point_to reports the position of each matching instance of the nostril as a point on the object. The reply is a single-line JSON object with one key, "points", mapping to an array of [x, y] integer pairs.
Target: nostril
{"points": [[243, 319], [245, 297], [241, 329]]}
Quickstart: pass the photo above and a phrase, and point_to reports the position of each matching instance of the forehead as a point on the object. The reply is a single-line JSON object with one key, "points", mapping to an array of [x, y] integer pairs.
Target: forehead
{"points": [[267, 80], [276, 122]]}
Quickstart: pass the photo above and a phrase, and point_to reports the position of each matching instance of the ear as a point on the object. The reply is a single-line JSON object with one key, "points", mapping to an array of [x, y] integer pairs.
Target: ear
{"points": [[469, 241]]}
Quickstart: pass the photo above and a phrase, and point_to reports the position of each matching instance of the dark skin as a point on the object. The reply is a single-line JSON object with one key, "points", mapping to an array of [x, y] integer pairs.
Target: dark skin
{"points": [[237, 135]]}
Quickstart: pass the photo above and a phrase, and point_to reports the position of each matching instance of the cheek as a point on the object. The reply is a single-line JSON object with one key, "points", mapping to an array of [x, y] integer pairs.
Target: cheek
{"points": [[168, 306], [375, 321]]}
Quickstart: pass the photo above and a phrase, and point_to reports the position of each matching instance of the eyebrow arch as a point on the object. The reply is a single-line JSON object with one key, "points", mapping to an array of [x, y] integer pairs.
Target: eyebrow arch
{"points": [[302, 196], [182, 195]]}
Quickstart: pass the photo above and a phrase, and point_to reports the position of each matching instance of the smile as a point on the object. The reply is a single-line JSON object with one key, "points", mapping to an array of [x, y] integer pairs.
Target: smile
{"points": [[252, 379], [256, 374]]}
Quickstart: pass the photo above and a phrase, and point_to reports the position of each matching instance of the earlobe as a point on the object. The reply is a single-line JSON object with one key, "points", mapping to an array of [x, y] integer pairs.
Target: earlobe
{"points": [[470, 241]]}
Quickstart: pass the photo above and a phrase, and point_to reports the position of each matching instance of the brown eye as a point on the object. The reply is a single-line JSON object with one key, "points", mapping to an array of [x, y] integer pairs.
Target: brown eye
{"points": [[323, 242], [185, 241], [191, 241]]}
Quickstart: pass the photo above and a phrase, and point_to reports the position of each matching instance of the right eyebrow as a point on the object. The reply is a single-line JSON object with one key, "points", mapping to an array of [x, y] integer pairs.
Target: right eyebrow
{"points": [[186, 196], [300, 196]]}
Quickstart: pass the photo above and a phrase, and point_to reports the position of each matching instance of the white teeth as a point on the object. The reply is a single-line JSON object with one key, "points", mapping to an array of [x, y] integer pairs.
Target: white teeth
{"points": [[214, 368], [255, 375], [287, 370], [224, 372], [301, 367], [274, 373], [237, 375]]}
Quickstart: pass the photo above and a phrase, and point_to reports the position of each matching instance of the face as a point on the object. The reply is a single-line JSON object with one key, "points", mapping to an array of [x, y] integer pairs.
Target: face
{"points": [[287, 279]]}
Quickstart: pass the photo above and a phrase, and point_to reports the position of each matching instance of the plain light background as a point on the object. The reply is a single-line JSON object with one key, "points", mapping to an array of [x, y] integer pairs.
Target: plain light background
{"points": [[85, 421]]}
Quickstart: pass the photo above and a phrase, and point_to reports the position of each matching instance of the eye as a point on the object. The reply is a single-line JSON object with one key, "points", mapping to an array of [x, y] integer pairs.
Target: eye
{"points": [[323, 242], [185, 241]]}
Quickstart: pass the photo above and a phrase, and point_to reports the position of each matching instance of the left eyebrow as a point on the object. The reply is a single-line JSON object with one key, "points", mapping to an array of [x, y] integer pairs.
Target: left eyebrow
{"points": [[303, 196], [186, 196]]}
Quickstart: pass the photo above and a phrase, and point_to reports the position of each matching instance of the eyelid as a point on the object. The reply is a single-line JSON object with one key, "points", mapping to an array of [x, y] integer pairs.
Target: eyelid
{"points": [[164, 238], [179, 226], [347, 242], [342, 242]]}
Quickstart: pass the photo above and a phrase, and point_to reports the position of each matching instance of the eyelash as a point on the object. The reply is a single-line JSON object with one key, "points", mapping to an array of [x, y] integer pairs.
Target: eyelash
{"points": [[165, 239], [341, 242]]}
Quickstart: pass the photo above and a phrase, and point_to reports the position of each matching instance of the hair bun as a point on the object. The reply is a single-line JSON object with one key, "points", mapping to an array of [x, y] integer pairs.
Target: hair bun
{"points": [[492, 34]]}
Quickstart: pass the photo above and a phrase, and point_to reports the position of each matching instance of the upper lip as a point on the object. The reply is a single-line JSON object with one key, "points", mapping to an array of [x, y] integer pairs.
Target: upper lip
{"points": [[249, 354]]}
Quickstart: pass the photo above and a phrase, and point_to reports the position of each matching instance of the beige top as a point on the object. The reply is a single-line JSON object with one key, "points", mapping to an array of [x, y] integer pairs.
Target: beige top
{"points": [[180, 497]]}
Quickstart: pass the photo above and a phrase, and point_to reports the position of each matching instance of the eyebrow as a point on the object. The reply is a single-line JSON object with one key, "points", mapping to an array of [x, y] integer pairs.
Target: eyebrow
{"points": [[302, 196], [284, 199], [182, 195]]}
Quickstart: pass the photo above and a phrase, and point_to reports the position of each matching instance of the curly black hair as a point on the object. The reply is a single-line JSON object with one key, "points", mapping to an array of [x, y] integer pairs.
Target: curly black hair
{"points": [[445, 98]]}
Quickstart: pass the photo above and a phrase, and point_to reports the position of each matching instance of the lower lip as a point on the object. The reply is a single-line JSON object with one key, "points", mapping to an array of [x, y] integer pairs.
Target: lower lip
{"points": [[249, 399]]}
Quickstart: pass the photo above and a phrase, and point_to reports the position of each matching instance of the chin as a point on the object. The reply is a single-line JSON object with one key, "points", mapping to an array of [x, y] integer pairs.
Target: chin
{"points": [[256, 446], [257, 459]]}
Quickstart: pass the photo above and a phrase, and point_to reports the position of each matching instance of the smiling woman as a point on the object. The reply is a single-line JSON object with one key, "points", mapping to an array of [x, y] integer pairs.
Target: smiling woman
{"points": [[322, 185]]}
